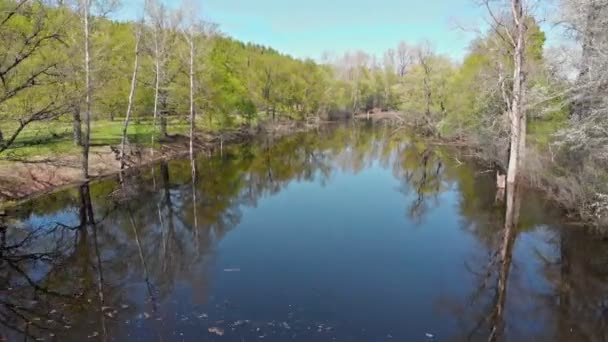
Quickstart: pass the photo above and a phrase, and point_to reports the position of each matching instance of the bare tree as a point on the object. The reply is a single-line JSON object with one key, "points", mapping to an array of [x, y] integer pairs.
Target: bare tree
{"points": [[85, 14], [192, 32], [163, 22], [190, 36], [138, 34], [85, 10], [513, 34], [405, 58], [424, 56], [518, 112]]}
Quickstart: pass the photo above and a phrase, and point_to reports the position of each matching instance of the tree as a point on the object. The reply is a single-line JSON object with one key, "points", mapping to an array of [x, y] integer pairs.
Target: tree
{"points": [[28, 35], [85, 8], [138, 34], [163, 22]]}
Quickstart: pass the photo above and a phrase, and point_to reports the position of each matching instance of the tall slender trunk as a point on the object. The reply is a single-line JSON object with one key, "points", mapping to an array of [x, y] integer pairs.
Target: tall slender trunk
{"points": [[156, 84], [518, 114], [131, 95], [87, 71], [192, 113]]}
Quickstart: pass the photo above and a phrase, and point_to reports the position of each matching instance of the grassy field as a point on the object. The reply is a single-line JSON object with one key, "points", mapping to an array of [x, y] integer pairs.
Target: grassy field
{"points": [[56, 138]]}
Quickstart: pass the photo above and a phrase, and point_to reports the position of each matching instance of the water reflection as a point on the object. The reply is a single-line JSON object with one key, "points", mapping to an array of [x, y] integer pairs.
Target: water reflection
{"points": [[157, 255]]}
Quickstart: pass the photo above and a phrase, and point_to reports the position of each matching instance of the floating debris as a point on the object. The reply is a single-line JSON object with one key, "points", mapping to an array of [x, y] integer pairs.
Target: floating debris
{"points": [[216, 330], [232, 270], [203, 315], [240, 322], [94, 334], [429, 335]]}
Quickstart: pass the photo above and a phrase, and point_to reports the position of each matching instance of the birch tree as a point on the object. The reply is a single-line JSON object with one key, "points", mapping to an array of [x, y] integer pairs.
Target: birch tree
{"points": [[85, 8], [138, 35], [164, 22], [190, 35]]}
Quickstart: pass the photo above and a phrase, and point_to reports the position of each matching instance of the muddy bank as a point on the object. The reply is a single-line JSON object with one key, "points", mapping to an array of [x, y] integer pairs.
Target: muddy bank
{"points": [[23, 179]]}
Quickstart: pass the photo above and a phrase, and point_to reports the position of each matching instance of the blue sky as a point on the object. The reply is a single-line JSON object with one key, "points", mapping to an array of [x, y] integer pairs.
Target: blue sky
{"points": [[306, 29]]}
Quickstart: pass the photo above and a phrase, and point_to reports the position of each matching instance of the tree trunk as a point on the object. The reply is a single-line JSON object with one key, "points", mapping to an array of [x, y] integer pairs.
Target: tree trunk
{"points": [[156, 85], [130, 105], [87, 69], [192, 113], [518, 116], [163, 125], [77, 126]]}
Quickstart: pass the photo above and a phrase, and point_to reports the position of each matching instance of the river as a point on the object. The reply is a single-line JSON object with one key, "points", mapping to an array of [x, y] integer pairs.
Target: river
{"points": [[348, 233]]}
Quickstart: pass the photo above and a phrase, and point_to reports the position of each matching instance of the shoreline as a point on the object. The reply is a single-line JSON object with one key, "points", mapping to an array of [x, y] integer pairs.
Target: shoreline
{"points": [[24, 180]]}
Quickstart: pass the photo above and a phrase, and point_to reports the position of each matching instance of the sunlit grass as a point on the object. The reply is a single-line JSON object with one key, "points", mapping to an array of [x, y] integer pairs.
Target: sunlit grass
{"points": [[54, 138]]}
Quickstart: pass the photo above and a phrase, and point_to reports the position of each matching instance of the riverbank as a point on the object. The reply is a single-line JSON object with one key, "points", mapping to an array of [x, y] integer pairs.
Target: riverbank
{"points": [[582, 203], [25, 178]]}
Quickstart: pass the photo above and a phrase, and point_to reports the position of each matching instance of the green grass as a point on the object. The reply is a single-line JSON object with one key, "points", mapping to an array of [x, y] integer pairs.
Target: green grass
{"points": [[52, 138], [55, 138]]}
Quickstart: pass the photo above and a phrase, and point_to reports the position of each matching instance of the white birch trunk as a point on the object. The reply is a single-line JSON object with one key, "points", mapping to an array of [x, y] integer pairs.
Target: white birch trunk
{"points": [[130, 103]]}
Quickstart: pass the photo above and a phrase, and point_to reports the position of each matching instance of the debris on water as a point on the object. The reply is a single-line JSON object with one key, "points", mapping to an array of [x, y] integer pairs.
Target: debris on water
{"points": [[216, 330], [124, 306], [389, 336], [203, 315], [232, 270], [240, 322], [286, 325], [429, 335], [67, 326], [105, 308], [184, 318], [53, 311], [94, 334], [146, 315]]}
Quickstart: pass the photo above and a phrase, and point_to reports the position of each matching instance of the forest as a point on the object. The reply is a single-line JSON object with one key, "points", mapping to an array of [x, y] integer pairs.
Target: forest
{"points": [[74, 79]]}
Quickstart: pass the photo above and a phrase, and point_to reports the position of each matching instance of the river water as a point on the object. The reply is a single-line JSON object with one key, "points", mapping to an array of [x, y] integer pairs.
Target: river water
{"points": [[349, 233]]}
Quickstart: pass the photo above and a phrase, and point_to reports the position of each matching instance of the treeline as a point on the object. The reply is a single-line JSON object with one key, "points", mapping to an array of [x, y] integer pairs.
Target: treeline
{"points": [[70, 62], [535, 113]]}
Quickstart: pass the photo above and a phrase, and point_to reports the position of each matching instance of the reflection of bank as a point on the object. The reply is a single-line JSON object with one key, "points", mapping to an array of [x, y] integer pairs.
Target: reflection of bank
{"points": [[513, 206], [581, 286]]}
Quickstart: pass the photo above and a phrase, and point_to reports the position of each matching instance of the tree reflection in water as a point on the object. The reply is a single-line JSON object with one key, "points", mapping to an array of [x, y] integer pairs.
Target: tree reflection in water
{"points": [[82, 262]]}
